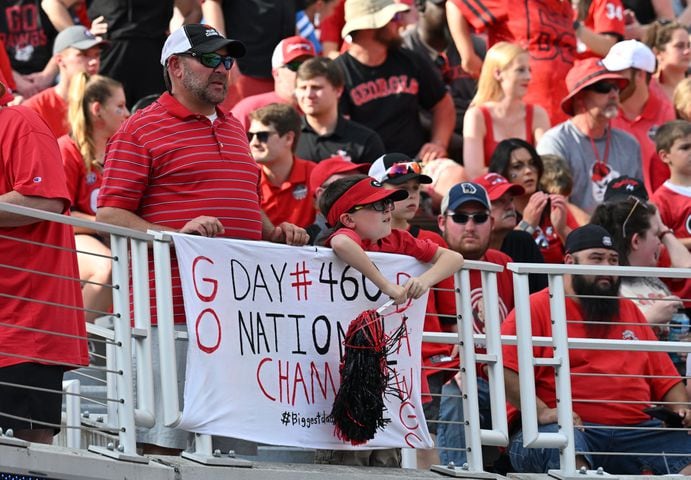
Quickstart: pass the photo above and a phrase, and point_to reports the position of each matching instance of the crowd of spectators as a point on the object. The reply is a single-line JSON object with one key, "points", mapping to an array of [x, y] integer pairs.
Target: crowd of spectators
{"points": [[500, 134]]}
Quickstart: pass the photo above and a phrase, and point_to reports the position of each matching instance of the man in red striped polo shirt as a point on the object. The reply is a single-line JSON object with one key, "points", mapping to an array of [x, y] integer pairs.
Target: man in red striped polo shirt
{"points": [[184, 164]]}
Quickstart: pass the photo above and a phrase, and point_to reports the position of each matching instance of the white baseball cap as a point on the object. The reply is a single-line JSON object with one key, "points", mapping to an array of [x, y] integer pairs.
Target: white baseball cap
{"points": [[630, 54], [199, 38]]}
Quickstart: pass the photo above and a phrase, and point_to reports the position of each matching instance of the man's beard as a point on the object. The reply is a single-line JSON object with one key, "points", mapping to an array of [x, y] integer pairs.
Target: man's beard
{"points": [[597, 309], [390, 41]]}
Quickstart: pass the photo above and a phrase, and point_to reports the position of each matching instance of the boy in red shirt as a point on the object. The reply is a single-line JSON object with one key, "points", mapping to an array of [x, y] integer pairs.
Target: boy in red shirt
{"points": [[360, 209]]}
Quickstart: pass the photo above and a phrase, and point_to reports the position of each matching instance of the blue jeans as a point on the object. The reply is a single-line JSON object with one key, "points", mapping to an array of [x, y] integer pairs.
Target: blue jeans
{"points": [[452, 435], [600, 440]]}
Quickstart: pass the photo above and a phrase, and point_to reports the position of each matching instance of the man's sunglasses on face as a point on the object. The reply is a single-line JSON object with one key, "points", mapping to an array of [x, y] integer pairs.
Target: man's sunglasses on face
{"points": [[212, 60], [463, 218], [603, 87], [263, 137]]}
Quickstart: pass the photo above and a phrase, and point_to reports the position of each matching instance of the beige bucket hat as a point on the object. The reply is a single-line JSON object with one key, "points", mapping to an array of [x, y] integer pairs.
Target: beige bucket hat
{"points": [[366, 14]]}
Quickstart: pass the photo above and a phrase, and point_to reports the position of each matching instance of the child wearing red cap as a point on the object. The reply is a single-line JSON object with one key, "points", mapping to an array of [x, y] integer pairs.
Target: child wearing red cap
{"points": [[359, 209]]}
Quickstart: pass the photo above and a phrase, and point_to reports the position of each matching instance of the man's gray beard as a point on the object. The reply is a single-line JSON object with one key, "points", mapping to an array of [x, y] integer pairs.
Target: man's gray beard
{"points": [[611, 112]]}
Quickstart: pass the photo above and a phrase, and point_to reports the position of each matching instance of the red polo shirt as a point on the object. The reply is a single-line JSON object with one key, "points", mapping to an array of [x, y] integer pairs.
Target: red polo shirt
{"points": [[657, 110], [292, 201], [169, 165]]}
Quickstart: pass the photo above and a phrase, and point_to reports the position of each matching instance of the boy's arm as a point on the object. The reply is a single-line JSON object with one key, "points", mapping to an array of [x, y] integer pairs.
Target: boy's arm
{"points": [[351, 253], [444, 264]]}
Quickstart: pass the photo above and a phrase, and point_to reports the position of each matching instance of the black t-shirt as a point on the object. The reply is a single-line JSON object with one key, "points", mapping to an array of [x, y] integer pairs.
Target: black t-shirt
{"points": [[349, 139], [645, 13], [460, 84], [521, 247], [260, 25], [133, 18], [27, 34], [388, 98]]}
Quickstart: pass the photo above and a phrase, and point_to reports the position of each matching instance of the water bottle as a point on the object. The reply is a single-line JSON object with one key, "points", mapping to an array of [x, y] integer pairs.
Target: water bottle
{"points": [[678, 329]]}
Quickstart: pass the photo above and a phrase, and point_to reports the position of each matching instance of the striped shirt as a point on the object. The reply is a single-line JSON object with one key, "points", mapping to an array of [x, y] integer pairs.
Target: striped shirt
{"points": [[169, 165]]}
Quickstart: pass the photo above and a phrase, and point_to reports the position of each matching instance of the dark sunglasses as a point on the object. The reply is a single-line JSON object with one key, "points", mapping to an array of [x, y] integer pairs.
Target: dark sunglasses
{"points": [[294, 65], [212, 60], [603, 87], [462, 218], [261, 136], [378, 206]]}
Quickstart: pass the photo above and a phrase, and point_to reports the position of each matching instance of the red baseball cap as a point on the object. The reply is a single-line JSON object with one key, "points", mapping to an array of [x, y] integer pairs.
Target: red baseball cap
{"points": [[331, 166], [364, 192], [496, 185], [291, 48], [585, 73]]}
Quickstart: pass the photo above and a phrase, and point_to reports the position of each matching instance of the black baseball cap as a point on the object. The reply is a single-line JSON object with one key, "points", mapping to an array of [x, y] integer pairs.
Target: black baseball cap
{"points": [[624, 187], [588, 236]]}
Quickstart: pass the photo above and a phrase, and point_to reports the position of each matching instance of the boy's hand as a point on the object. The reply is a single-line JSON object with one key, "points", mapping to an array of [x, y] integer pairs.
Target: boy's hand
{"points": [[396, 292], [415, 288]]}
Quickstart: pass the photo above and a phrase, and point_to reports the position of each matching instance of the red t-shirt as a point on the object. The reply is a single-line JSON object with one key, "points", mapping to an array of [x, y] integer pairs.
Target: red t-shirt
{"points": [[30, 164], [549, 39], [441, 300], [169, 165], [675, 210], [332, 25], [657, 111], [52, 109], [604, 16], [624, 369], [82, 185], [398, 241], [292, 201]]}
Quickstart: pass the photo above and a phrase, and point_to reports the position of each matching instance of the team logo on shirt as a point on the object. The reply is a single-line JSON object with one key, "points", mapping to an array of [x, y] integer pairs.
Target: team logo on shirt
{"points": [[600, 175], [90, 178], [478, 306], [37, 179], [688, 224], [628, 335], [300, 192]]}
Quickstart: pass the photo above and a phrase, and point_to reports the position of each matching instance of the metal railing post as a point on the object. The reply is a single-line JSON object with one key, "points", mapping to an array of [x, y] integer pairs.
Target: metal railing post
{"points": [[127, 447], [567, 454], [73, 407], [166, 329], [144, 414]]}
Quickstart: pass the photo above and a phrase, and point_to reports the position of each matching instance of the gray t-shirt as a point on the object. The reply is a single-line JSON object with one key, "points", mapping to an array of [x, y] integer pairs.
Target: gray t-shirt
{"points": [[575, 147]]}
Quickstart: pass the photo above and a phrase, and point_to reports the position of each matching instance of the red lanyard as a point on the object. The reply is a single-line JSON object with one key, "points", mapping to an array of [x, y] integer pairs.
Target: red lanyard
{"points": [[596, 152]]}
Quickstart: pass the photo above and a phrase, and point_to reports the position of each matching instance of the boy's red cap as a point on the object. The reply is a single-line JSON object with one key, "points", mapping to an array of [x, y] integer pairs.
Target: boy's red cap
{"points": [[364, 192], [331, 166]]}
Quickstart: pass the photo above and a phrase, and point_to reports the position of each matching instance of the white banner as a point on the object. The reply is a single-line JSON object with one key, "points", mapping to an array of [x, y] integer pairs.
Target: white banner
{"points": [[266, 326]]}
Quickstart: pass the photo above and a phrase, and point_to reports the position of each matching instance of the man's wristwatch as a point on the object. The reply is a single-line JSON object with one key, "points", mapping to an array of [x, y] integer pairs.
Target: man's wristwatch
{"points": [[526, 227]]}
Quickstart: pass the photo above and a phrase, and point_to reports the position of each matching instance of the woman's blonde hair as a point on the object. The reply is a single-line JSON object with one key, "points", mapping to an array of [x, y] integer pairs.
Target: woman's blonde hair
{"points": [[498, 57], [86, 89], [682, 97]]}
